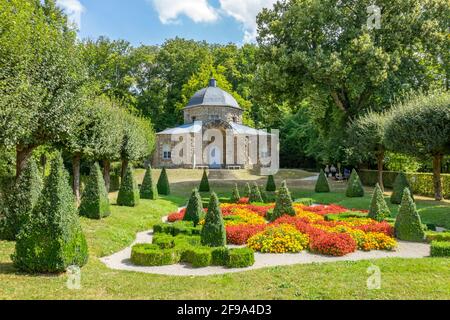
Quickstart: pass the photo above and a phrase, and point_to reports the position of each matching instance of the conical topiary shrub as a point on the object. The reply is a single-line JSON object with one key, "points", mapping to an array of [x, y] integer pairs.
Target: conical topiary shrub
{"points": [[247, 190], [355, 188], [235, 196], [204, 184], [271, 186], [95, 201], [20, 202], [194, 210], [255, 194], [401, 182], [379, 209], [283, 204], [52, 240], [128, 192], [263, 195], [213, 232], [408, 225], [148, 188], [322, 185], [163, 183]]}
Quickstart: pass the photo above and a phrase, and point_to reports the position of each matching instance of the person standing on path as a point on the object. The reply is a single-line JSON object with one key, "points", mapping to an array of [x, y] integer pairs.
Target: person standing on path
{"points": [[333, 171], [327, 170]]}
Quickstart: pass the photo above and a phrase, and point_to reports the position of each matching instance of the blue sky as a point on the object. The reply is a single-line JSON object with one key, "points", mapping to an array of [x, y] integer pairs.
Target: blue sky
{"points": [[153, 21]]}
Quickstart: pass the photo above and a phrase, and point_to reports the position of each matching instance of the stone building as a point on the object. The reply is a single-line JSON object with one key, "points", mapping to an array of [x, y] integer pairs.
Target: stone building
{"points": [[212, 136]]}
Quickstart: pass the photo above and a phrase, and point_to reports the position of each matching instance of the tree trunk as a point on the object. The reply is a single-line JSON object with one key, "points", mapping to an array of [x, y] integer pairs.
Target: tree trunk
{"points": [[124, 168], [76, 162], [380, 160], [437, 162], [23, 153], [106, 174]]}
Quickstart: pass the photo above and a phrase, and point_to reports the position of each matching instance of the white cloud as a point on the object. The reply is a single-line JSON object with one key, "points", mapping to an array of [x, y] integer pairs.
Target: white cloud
{"points": [[245, 12], [196, 10], [73, 9]]}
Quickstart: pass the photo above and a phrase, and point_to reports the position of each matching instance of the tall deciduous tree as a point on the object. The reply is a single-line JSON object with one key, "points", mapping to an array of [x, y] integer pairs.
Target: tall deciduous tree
{"points": [[41, 76], [420, 127], [366, 138]]}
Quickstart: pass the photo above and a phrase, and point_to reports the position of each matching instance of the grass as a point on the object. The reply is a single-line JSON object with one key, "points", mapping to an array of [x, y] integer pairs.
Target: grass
{"points": [[427, 278]]}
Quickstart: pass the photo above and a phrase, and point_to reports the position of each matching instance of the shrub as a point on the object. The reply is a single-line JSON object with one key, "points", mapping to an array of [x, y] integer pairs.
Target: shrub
{"points": [[95, 201], [199, 257], [305, 201], [440, 249], [322, 185], [153, 255], [219, 256], [53, 239], [247, 190], [163, 183], [264, 197], [271, 186], [128, 192], [401, 182], [213, 232], [281, 238], [408, 225], [333, 244], [438, 236], [194, 210], [255, 194], [20, 201], [148, 188], [355, 188], [235, 196], [164, 241], [379, 209], [240, 258], [283, 204], [344, 216], [204, 184]]}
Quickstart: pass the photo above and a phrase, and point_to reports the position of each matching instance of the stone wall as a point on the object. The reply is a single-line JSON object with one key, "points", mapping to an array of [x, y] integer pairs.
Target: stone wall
{"points": [[205, 113]]}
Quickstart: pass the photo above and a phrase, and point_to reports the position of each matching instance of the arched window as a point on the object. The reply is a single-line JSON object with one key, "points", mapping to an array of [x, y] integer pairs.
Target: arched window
{"points": [[167, 152]]}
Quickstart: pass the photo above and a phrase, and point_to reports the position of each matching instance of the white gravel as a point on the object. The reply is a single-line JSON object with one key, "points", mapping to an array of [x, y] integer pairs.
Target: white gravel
{"points": [[121, 260]]}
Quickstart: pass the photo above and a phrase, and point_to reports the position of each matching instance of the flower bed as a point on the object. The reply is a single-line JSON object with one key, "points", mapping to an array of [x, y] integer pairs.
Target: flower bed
{"points": [[324, 229]]}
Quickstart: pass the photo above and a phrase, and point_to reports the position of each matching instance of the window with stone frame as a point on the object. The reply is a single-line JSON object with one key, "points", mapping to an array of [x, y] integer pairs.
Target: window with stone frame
{"points": [[167, 152]]}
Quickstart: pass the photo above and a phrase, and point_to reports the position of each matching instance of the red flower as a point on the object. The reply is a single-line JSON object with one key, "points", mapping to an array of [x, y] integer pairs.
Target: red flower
{"points": [[176, 216], [381, 227], [244, 201], [332, 244], [239, 234]]}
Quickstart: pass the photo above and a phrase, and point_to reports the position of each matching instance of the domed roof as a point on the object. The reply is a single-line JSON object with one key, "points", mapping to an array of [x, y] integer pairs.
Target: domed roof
{"points": [[212, 96]]}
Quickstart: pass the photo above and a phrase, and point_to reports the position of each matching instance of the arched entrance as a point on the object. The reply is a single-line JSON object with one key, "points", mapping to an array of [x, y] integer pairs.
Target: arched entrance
{"points": [[215, 158]]}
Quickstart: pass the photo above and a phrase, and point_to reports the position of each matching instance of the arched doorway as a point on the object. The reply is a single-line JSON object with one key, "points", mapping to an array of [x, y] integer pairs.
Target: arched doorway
{"points": [[215, 158]]}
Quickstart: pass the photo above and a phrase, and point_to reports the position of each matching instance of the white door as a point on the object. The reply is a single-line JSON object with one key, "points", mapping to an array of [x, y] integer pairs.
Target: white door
{"points": [[215, 157]]}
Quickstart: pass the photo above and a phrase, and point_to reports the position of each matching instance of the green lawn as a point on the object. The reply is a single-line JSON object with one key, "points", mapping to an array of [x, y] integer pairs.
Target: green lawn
{"points": [[427, 278]]}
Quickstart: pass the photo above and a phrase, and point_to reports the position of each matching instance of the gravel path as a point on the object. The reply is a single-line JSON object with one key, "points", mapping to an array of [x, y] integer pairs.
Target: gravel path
{"points": [[121, 260]]}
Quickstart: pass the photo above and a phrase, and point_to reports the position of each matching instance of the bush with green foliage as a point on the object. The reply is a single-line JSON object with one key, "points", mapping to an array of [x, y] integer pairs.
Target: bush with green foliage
{"points": [[148, 188], [305, 201], [440, 249], [408, 225], [20, 201], [177, 228], [379, 209], [163, 183], [213, 232], [264, 196], [355, 188], [199, 257], [344, 216], [283, 204], [240, 258], [401, 182], [95, 201], [255, 194], [52, 240], [271, 186], [322, 185], [204, 184], [152, 255], [128, 192], [247, 190], [194, 210], [235, 196], [438, 236], [219, 256]]}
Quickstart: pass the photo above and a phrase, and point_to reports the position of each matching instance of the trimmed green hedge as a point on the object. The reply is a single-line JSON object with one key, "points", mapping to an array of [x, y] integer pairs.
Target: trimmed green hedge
{"points": [[204, 184], [179, 227], [152, 255], [322, 185], [437, 236], [305, 201], [240, 258], [128, 193], [95, 201], [421, 183], [440, 249]]}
